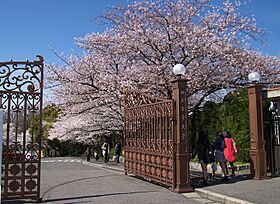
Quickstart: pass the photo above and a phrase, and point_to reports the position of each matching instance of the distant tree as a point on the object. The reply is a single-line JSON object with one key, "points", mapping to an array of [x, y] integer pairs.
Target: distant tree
{"points": [[208, 118], [49, 116], [235, 118], [54, 145]]}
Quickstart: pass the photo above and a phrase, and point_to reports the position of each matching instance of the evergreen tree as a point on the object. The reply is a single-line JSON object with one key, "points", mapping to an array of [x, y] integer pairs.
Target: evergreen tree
{"points": [[234, 112], [231, 115], [49, 116]]}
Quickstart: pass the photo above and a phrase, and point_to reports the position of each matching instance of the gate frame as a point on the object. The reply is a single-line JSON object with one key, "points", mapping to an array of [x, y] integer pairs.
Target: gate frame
{"points": [[256, 95], [36, 69], [257, 149], [181, 150], [270, 120], [182, 144], [146, 154]]}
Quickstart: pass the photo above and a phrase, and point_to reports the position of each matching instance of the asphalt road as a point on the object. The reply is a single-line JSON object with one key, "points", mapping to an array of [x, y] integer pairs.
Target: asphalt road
{"points": [[68, 180]]}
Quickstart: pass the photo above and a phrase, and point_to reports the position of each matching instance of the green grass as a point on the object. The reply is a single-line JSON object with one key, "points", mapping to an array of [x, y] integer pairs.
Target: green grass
{"points": [[240, 163]]}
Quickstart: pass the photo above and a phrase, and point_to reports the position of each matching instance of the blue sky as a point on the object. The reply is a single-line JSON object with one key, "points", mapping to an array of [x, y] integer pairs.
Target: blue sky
{"points": [[31, 27]]}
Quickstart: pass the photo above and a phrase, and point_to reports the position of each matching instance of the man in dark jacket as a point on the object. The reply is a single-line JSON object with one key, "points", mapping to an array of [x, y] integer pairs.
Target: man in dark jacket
{"points": [[118, 150]]}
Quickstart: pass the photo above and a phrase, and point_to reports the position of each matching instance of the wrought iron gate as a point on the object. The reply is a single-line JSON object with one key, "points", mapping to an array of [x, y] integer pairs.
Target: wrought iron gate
{"points": [[149, 140], [21, 89], [275, 142]]}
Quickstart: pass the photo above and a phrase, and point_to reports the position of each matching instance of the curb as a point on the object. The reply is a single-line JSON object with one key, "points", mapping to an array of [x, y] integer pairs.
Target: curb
{"points": [[219, 197], [103, 166]]}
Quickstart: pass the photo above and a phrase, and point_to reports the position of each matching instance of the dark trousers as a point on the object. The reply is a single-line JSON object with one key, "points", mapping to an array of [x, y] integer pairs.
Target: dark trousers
{"points": [[118, 158], [96, 158], [106, 158], [232, 167]]}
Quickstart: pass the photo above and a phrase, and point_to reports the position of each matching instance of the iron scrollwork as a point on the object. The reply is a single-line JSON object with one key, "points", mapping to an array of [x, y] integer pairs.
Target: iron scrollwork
{"points": [[21, 76], [21, 88], [135, 98]]}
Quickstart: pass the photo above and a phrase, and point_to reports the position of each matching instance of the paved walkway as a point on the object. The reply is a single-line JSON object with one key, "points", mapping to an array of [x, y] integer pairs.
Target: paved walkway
{"points": [[239, 189], [65, 182], [248, 190]]}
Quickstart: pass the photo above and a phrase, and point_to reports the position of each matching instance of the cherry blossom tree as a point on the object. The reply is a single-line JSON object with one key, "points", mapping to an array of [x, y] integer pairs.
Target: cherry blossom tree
{"points": [[144, 41], [90, 93]]}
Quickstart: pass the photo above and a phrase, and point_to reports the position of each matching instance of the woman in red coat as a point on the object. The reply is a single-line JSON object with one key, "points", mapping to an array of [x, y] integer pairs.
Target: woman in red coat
{"points": [[230, 151]]}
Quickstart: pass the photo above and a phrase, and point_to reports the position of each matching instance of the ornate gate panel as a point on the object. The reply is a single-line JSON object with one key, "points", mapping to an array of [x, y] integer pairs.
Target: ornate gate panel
{"points": [[274, 136], [148, 141], [21, 89]]}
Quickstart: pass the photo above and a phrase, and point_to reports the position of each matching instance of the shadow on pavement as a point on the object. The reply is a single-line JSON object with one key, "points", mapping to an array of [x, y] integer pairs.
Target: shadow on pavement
{"points": [[96, 196], [17, 201], [195, 176], [196, 179], [81, 179]]}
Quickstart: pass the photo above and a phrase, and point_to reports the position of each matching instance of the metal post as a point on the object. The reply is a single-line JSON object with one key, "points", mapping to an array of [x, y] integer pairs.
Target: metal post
{"points": [[1, 140], [257, 150], [181, 139]]}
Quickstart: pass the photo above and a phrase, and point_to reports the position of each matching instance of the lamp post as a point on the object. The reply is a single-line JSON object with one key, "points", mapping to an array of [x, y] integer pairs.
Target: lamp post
{"points": [[257, 150], [182, 157]]}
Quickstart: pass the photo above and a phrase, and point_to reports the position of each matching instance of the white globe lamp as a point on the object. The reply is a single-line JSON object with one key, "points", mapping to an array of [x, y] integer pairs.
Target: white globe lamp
{"points": [[179, 69], [254, 77]]}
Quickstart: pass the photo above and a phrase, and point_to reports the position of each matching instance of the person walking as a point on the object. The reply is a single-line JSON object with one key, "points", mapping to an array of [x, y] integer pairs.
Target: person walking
{"points": [[88, 153], [219, 146], [212, 160], [230, 152], [201, 149], [105, 152], [96, 156], [118, 149]]}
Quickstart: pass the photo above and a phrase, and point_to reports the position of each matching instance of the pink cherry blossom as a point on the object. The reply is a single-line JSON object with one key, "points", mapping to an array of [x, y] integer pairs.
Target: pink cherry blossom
{"points": [[138, 50]]}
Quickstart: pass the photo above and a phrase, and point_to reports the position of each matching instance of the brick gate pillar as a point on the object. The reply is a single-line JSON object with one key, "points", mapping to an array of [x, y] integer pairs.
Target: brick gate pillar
{"points": [[182, 158], [257, 150]]}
